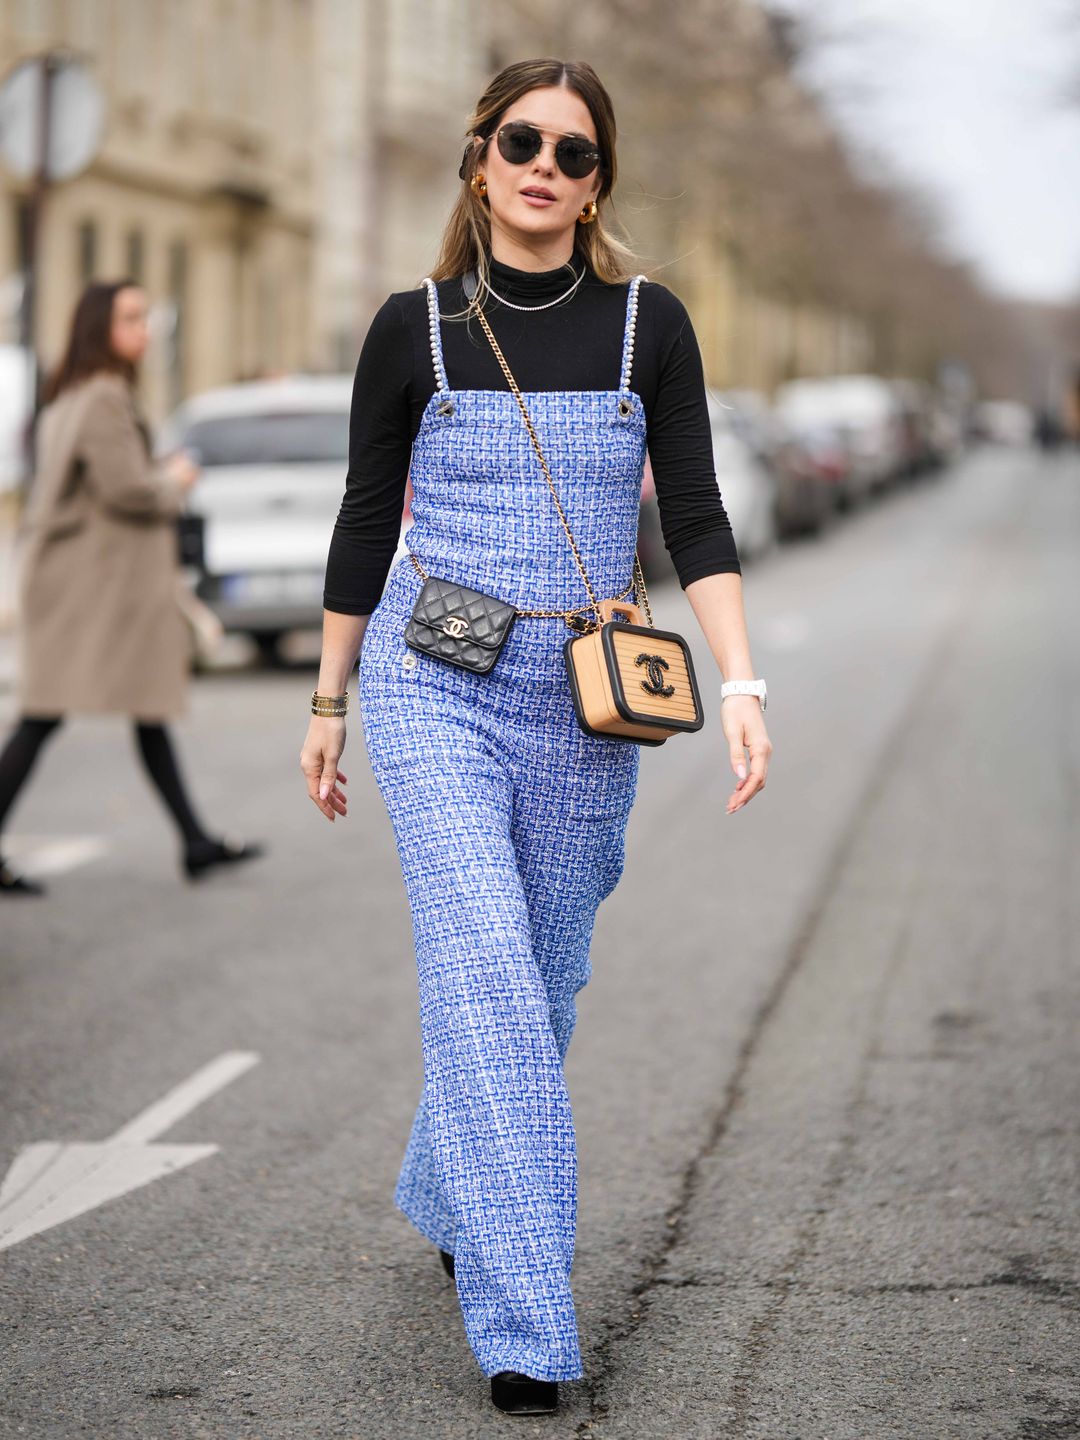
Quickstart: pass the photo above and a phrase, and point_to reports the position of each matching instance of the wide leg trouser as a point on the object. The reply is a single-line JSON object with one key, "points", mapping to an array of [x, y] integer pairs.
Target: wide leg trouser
{"points": [[505, 857]]}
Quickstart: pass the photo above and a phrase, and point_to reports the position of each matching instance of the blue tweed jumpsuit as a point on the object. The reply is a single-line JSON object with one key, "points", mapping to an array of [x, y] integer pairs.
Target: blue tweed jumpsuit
{"points": [[510, 824]]}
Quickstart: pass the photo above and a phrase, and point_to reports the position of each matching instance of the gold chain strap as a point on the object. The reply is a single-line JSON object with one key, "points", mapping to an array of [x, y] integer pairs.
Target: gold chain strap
{"points": [[638, 577], [537, 614], [638, 580]]}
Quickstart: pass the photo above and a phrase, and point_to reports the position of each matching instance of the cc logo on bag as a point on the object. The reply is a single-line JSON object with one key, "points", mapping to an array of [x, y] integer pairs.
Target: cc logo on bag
{"points": [[656, 666], [455, 625]]}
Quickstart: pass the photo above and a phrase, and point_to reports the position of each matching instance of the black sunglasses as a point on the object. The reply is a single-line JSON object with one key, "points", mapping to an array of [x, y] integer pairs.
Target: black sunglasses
{"points": [[519, 143]]}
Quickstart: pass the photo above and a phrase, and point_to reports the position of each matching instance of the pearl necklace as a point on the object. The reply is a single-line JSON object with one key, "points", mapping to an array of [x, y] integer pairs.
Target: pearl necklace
{"points": [[547, 303]]}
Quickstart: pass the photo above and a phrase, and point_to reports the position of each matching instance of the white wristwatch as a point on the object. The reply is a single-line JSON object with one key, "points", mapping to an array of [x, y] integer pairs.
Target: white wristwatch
{"points": [[744, 687]]}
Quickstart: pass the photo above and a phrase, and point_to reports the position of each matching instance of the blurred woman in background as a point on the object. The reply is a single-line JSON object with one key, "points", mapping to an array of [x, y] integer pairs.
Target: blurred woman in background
{"points": [[100, 625]]}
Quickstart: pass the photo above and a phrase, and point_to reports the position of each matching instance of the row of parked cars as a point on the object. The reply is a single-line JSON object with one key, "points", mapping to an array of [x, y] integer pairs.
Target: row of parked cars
{"points": [[823, 446], [274, 455]]}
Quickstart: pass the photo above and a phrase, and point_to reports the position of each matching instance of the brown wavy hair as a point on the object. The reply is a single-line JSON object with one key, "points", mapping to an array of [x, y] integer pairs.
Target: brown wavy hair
{"points": [[466, 241], [89, 347]]}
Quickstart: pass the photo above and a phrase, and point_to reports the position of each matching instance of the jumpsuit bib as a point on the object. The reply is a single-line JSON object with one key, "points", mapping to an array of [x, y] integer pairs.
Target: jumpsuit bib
{"points": [[509, 823]]}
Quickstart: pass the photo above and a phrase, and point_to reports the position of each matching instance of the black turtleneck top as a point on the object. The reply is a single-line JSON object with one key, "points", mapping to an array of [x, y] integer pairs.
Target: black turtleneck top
{"points": [[576, 345]]}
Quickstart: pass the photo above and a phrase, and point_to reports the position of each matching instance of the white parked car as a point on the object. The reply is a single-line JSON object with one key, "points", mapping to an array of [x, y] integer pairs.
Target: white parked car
{"points": [[274, 455], [1005, 422], [865, 409], [747, 486], [16, 407]]}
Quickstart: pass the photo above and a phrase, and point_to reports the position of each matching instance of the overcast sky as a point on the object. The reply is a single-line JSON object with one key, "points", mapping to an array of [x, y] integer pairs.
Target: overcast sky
{"points": [[973, 98]]}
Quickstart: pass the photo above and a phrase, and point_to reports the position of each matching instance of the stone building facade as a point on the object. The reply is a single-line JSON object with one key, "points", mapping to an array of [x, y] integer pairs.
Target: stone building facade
{"points": [[271, 169]]}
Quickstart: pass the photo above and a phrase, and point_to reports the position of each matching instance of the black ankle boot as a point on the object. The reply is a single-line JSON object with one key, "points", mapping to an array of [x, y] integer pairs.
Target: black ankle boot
{"points": [[447, 1262], [12, 883], [520, 1394], [203, 855]]}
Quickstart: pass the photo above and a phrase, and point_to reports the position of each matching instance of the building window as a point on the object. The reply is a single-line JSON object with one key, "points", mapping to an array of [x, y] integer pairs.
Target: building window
{"points": [[178, 287], [87, 241], [22, 234], [134, 252]]}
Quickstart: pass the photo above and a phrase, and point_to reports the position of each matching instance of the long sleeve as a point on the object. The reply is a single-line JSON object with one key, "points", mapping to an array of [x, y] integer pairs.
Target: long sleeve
{"points": [[368, 524], [694, 522], [120, 472]]}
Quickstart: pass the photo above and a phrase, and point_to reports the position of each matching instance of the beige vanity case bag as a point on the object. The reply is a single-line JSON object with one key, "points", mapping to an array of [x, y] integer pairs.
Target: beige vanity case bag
{"points": [[631, 681]]}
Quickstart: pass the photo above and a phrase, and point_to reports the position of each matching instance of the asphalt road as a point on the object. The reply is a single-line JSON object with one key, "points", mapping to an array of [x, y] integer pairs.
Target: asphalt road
{"points": [[825, 1079]]}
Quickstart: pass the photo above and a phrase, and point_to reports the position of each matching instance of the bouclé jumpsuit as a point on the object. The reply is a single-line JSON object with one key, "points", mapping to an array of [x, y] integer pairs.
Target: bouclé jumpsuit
{"points": [[510, 825]]}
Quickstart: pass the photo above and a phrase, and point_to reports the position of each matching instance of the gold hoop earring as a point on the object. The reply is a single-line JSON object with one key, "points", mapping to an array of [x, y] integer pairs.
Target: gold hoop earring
{"points": [[479, 184], [588, 213]]}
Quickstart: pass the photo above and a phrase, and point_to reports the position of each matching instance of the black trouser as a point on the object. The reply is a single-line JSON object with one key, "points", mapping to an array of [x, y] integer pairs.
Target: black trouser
{"points": [[19, 755]]}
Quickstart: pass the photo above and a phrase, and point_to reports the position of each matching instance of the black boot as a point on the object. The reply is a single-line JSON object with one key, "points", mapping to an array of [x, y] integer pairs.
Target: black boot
{"points": [[203, 855], [447, 1262], [520, 1394], [12, 883]]}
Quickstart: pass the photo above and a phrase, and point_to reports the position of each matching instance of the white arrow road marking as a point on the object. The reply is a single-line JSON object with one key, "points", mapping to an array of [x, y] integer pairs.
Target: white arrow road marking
{"points": [[51, 855], [53, 1181]]}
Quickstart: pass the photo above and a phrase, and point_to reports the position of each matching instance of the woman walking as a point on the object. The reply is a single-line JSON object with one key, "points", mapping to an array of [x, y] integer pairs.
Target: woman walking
{"points": [[509, 818], [100, 622]]}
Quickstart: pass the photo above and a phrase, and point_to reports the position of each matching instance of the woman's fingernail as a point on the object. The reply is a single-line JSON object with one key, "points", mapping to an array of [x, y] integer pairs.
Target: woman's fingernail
{"points": [[324, 790], [741, 772]]}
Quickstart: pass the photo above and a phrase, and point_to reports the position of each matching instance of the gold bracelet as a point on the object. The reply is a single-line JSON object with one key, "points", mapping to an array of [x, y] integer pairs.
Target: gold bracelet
{"points": [[329, 706]]}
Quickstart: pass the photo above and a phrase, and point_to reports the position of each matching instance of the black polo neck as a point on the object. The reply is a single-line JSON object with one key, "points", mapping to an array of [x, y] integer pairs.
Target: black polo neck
{"points": [[532, 287]]}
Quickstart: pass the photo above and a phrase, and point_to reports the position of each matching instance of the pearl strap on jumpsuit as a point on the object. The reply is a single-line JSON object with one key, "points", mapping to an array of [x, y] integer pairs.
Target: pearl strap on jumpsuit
{"points": [[509, 823]]}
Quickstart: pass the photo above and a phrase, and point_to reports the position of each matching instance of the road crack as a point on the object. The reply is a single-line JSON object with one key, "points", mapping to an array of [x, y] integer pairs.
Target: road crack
{"points": [[650, 1279]]}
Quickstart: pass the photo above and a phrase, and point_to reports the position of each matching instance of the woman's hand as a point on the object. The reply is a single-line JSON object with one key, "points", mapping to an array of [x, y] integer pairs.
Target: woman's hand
{"points": [[182, 469], [319, 761], [744, 726]]}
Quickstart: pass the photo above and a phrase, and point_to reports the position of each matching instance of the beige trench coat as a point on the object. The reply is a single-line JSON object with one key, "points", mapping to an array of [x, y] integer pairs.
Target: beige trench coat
{"points": [[99, 623]]}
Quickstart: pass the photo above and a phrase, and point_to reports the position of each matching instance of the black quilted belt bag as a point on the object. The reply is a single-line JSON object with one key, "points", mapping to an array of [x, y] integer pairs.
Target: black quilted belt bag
{"points": [[462, 626]]}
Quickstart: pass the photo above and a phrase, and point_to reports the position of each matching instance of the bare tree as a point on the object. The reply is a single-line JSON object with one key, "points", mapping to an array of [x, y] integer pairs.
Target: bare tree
{"points": [[731, 166]]}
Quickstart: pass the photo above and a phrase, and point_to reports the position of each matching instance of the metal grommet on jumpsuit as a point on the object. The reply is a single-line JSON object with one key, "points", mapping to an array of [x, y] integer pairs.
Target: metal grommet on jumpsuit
{"points": [[509, 823]]}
